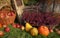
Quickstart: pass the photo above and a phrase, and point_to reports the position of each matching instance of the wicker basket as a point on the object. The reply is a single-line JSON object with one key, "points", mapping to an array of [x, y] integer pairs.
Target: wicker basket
{"points": [[4, 18]]}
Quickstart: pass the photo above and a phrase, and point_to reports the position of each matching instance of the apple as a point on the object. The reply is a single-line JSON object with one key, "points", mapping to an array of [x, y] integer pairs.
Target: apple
{"points": [[14, 25], [4, 26], [51, 30], [7, 29], [7, 16], [10, 13], [18, 26], [1, 33], [2, 15]]}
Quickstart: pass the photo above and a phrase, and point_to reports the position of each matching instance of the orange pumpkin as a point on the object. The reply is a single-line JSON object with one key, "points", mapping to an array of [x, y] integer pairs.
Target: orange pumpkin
{"points": [[43, 30]]}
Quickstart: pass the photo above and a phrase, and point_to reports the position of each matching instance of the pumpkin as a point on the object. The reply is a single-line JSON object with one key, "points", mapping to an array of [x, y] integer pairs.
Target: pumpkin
{"points": [[43, 30]]}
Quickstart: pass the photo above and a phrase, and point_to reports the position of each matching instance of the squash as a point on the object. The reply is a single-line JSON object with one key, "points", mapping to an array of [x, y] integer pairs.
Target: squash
{"points": [[43, 30]]}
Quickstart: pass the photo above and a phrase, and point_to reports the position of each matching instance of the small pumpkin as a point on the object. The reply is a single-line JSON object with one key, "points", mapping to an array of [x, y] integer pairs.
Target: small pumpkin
{"points": [[43, 30]]}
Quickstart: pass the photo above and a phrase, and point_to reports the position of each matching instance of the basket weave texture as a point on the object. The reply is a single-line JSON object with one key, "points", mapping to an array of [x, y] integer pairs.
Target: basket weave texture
{"points": [[5, 18]]}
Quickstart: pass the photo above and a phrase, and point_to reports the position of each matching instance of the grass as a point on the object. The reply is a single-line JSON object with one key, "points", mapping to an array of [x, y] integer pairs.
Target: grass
{"points": [[17, 33]]}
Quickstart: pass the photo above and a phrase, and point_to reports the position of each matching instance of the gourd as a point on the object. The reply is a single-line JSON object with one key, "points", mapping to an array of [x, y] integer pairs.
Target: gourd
{"points": [[43, 30]]}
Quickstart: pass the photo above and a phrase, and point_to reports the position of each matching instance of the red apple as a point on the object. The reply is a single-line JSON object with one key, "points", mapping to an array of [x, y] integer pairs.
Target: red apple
{"points": [[18, 26], [14, 25], [7, 29], [11, 14], [2, 15], [51, 30]]}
